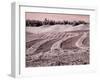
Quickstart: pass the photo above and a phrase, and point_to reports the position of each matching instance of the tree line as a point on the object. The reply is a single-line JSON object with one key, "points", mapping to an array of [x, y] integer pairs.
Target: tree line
{"points": [[37, 23]]}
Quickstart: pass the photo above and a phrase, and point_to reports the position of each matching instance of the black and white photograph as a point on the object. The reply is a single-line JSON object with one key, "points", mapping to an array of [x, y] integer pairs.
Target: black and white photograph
{"points": [[56, 39]]}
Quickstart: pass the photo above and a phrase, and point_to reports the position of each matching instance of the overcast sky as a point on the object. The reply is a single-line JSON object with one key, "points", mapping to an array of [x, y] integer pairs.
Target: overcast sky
{"points": [[57, 17]]}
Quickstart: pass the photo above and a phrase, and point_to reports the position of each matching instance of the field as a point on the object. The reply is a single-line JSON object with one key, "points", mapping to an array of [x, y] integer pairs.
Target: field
{"points": [[57, 45]]}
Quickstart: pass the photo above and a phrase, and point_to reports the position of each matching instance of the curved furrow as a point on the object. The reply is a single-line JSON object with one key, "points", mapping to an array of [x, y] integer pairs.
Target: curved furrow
{"points": [[54, 35], [70, 43], [45, 46], [35, 46], [33, 36], [57, 44], [50, 35], [30, 38], [79, 42], [30, 43], [59, 35], [86, 41]]}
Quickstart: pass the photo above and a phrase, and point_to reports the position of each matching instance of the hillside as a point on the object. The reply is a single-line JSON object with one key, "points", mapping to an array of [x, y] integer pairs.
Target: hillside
{"points": [[57, 45], [56, 28]]}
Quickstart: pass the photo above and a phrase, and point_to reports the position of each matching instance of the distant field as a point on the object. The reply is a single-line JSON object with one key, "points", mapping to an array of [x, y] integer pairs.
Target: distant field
{"points": [[57, 45]]}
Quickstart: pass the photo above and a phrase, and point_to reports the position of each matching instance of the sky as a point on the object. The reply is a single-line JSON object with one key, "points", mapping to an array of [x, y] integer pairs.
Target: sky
{"points": [[56, 16]]}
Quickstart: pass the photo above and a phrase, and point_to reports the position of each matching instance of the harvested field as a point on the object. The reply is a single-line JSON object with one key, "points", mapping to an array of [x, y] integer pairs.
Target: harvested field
{"points": [[55, 48]]}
